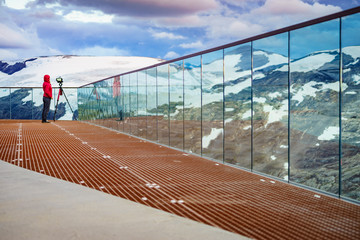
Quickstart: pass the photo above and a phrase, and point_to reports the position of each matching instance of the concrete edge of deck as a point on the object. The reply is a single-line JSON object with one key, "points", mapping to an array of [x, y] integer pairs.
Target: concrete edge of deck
{"points": [[36, 206]]}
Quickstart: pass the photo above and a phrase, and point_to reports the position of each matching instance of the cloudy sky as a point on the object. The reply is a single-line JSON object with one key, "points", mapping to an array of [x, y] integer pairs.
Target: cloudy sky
{"points": [[152, 28]]}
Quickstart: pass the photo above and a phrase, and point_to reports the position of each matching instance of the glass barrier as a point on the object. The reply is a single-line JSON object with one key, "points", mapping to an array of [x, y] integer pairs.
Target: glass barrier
{"points": [[350, 111], [314, 105], [284, 105], [151, 104], [5, 106], [270, 105], [212, 105], [192, 104], [176, 95], [163, 104], [142, 111], [237, 105], [27, 103]]}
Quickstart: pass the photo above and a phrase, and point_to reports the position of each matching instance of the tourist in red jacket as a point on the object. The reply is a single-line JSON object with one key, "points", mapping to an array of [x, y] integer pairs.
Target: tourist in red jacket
{"points": [[46, 98]]}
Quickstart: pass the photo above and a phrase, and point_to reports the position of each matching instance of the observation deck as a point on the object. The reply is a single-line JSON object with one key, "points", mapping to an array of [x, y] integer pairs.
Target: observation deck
{"points": [[146, 191]]}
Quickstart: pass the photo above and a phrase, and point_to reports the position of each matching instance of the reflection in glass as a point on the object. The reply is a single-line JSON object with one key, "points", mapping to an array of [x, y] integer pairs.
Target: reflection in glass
{"points": [[270, 105], [208, 105], [126, 106], [133, 104], [141, 119], [176, 105], [151, 104], [237, 112], [314, 106], [64, 111], [192, 105], [117, 111], [350, 114], [212, 105], [163, 103], [38, 103], [5, 109], [21, 103]]}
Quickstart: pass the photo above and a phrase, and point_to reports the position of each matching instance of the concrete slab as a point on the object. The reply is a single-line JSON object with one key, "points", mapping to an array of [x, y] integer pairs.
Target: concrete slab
{"points": [[36, 206]]}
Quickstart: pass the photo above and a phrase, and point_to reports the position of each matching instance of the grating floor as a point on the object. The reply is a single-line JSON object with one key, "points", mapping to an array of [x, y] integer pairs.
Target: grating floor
{"points": [[176, 182]]}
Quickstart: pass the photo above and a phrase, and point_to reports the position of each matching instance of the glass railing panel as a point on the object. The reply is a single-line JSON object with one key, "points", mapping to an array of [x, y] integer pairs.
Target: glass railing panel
{"points": [[192, 105], [5, 107], [151, 104], [270, 105], [163, 103], [38, 105], [237, 112], [350, 114], [142, 113], [87, 103], [176, 105], [127, 110], [67, 105], [314, 106], [212, 105], [21, 103], [134, 104], [117, 111]]}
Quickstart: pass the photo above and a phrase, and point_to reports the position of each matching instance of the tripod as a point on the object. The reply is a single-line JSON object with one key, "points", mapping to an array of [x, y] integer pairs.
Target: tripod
{"points": [[61, 92]]}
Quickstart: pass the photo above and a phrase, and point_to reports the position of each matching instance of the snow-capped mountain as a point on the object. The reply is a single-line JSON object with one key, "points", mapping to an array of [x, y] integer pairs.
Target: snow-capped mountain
{"points": [[75, 70]]}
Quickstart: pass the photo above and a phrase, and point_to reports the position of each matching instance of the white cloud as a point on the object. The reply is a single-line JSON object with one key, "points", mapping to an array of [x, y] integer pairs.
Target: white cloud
{"points": [[287, 12], [291, 7], [171, 55], [100, 51], [231, 27], [17, 4], [171, 36], [91, 17], [226, 25], [197, 45], [6, 54], [184, 21], [10, 38]]}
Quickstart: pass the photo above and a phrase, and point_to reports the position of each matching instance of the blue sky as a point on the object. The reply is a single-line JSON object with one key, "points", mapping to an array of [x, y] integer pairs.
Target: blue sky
{"points": [[163, 29]]}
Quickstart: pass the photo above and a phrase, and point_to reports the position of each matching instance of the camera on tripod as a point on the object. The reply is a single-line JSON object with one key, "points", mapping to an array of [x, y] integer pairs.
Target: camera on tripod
{"points": [[61, 92], [60, 80]]}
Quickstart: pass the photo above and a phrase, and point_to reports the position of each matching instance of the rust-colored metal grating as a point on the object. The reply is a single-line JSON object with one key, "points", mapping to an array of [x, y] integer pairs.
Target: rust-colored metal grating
{"points": [[176, 182]]}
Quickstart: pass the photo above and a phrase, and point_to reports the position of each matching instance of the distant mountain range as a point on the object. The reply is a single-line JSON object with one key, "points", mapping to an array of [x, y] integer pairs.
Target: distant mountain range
{"points": [[75, 70]]}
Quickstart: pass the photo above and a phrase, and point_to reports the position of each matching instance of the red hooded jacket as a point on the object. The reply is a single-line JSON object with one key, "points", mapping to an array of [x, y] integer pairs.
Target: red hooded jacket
{"points": [[47, 87]]}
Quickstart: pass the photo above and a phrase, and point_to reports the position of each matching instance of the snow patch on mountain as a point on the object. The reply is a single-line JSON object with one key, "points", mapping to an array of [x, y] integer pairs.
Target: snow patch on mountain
{"points": [[75, 70], [353, 51], [311, 62], [273, 59], [330, 133]]}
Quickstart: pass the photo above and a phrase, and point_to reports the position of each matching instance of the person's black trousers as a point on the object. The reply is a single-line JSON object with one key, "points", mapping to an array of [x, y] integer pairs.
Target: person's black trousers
{"points": [[46, 108]]}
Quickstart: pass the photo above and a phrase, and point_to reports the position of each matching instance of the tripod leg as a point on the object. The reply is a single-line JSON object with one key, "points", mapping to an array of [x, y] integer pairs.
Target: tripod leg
{"points": [[67, 101], [57, 103]]}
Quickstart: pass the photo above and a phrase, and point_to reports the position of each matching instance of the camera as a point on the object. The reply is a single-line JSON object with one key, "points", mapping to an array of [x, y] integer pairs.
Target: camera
{"points": [[59, 80]]}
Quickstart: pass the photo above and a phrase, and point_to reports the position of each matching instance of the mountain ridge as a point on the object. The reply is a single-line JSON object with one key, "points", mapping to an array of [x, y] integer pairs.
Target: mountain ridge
{"points": [[75, 70]]}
